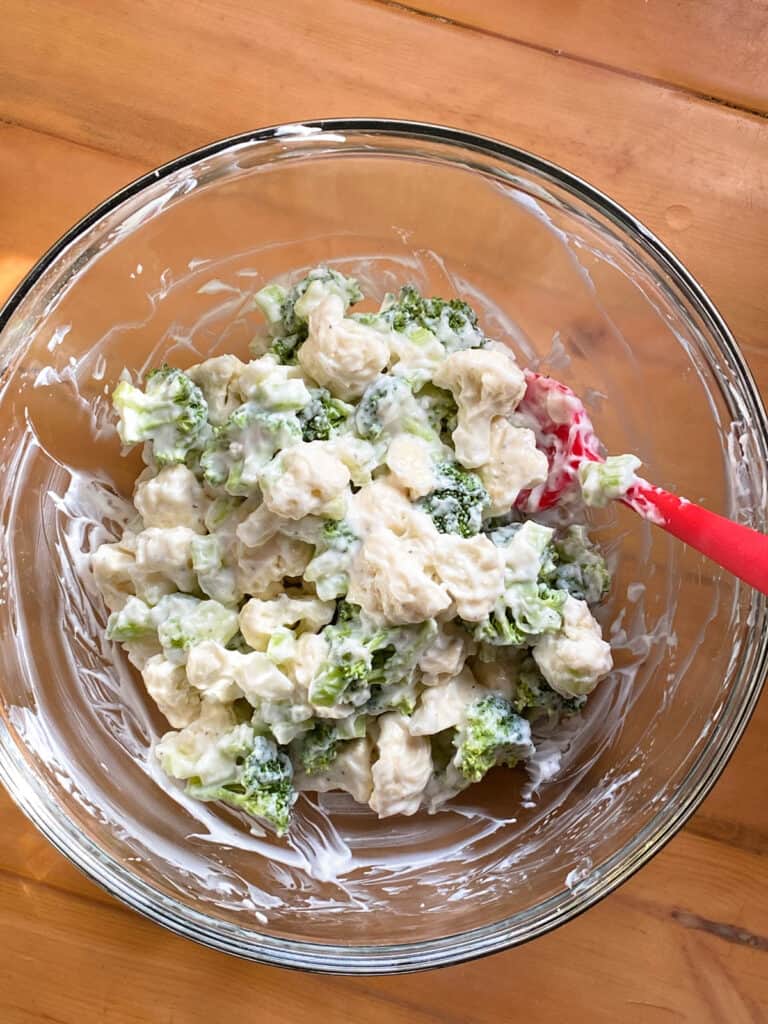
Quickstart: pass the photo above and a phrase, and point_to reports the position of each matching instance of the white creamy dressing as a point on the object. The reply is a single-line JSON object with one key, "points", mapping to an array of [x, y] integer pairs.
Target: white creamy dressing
{"points": [[325, 844]]}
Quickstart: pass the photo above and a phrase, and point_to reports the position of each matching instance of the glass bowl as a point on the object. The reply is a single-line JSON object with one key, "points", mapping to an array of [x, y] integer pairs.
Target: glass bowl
{"points": [[165, 270]]}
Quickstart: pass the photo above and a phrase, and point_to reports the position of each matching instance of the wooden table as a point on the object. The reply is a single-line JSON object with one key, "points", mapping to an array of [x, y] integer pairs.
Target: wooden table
{"points": [[661, 103]]}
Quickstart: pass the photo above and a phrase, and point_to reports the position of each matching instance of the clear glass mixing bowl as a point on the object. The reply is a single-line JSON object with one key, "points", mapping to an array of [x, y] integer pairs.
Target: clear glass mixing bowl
{"points": [[164, 270]]}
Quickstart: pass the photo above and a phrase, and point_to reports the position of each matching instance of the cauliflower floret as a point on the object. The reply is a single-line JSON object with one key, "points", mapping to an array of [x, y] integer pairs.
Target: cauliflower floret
{"points": [[403, 769], [499, 675], [515, 465], [444, 706], [168, 687], [414, 354], [574, 661], [212, 673], [228, 675], [261, 570], [360, 457], [472, 571], [217, 378], [169, 553], [411, 461], [342, 354], [207, 749], [303, 480], [172, 498], [309, 652], [260, 619], [379, 504], [350, 771], [445, 656], [391, 579], [113, 568], [485, 383]]}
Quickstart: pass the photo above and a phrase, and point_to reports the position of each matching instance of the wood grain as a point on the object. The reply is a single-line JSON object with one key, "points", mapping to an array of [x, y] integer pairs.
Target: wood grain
{"points": [[674, 42], [694, 171], [93, 95], [657, 950]]}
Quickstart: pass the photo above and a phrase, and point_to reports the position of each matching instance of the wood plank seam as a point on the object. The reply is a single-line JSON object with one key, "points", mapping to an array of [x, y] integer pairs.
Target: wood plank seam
{"points": [[575, 57], [7, 122]]}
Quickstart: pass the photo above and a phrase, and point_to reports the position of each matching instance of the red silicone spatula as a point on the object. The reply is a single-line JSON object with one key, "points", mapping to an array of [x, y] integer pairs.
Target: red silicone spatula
{"points": [[565, 433]]}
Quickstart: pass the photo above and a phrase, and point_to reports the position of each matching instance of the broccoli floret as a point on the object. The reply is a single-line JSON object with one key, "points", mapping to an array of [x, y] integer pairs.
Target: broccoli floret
{"points": [[319, 748], [286, 348], [134, 621], [364, 661], [171, 413], [244, 444], [380, 406], [601, 482], [523, 612], [535, 698], [580, 568], [263, 788], [181, 626], [501, 533], [334, 550], [492, 734], [441, 409], [302, 298], [457, 503], [453, 322], [323, 416], [287, 312]]}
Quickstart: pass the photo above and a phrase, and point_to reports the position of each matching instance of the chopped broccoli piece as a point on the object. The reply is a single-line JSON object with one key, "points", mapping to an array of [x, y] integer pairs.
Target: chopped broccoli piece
{"points": [[523, 612], [492, 734], [362, 658], [215, 578], [171, 413], [329, 568], [206, 553], [441, 409], [451, 321], [380, 406], [286, 348], [244, 444], [534, 697], [134, 621], [323, 416], [177, 621], [580, 568], [270, 301], [603, 481], [289, 325], [263, 788], [457, 503], [501, 535], [307, 293], [319, 748], [195, 621]]}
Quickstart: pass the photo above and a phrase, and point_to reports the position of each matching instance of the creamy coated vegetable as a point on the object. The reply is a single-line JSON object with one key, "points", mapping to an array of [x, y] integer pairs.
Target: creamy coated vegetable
{"points": [[327, 585]]}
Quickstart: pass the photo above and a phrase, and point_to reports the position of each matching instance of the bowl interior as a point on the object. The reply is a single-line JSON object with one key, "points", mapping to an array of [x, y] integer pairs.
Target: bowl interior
{"points": [[168, 275]]}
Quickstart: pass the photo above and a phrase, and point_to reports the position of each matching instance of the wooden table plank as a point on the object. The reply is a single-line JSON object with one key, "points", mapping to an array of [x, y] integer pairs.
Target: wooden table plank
{"points": [[674, 953], [695, 172], [711, 48]]}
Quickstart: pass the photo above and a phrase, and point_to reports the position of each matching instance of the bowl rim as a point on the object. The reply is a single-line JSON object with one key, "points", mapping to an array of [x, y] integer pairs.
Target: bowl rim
{"points": [[395, 958]]}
